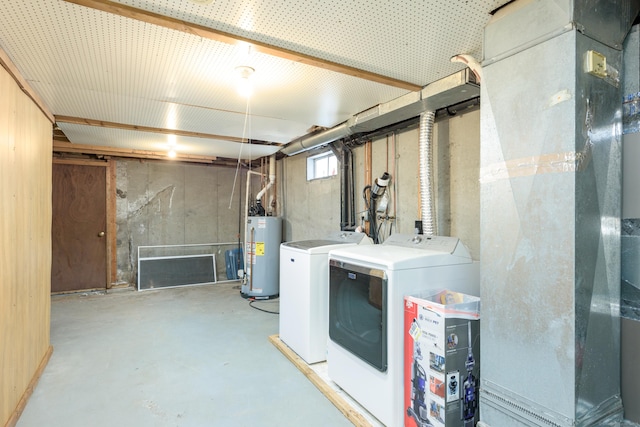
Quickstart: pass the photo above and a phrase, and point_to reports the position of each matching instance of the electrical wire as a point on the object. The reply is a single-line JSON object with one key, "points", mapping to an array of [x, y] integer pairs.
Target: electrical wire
{"points": [[369, 204], [371, 209], [387, 228], [252, 300], [364, 196], [374, 229], [244, 132]]}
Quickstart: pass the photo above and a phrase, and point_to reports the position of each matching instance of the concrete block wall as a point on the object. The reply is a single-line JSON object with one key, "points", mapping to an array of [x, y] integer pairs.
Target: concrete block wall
{"points": [[311, 209], [165, 203], [171, 204]]}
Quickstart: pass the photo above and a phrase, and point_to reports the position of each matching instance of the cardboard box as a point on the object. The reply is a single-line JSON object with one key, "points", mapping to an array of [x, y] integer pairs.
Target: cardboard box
{"points": [[441, 360]]}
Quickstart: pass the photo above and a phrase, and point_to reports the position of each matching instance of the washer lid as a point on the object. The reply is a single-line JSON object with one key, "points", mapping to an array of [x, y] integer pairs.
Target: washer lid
{"points": [[310, 244], [333, 238]]}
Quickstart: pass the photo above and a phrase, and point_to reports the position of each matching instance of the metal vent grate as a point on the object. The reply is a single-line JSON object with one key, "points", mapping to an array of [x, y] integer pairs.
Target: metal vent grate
{"points": [[520, 408], [170, 266]]}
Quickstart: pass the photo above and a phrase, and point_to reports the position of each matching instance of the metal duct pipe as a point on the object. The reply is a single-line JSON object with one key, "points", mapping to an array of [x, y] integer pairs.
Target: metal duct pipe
{"points": [[450, 90], [308, 142], [426, 173]]}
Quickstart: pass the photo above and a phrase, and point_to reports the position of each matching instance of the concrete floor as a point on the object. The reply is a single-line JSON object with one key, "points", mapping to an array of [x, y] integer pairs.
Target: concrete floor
{"points": [[196, 356]]}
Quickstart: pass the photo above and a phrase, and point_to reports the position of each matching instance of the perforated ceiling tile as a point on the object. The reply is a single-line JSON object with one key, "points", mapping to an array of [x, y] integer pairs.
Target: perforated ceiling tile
{"points": [[407, 40], [101, 66], [117, 70]]}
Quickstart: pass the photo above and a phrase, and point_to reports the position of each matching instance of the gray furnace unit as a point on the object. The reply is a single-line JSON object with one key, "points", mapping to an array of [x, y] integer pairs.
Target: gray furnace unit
{"points": [[262, 257], [550, 213]]}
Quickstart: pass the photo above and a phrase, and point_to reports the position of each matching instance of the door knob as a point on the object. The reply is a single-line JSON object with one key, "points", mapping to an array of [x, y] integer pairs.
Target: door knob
{"points": [[101, 234]]}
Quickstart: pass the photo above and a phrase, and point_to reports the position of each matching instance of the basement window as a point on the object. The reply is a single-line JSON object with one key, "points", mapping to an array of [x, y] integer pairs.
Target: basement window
{"points": [[322, 166]]}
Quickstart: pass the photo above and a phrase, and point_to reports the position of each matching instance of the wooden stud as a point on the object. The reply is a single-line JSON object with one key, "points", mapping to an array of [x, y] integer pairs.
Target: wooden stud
{"points": [[112, 247], [368, 176], [81, 162]]}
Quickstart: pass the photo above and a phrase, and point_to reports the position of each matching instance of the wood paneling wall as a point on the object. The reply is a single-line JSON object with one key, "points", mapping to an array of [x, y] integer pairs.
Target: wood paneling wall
{"points": [[25, 246]]}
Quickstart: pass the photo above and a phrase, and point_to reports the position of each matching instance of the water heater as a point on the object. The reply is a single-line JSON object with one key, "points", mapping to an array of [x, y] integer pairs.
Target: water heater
{"points": [[262, 257]]}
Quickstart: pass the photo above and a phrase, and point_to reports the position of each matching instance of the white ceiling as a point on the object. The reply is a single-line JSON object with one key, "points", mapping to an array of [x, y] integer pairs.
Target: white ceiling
{"points": [[91, 64]]}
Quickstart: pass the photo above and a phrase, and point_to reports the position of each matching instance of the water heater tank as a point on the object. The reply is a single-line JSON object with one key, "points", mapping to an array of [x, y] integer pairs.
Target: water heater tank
{"points": [[264, 235]]}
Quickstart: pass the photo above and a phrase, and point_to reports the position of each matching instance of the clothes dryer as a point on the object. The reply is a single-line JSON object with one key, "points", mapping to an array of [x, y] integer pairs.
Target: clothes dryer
{"points": [[367, 286]]}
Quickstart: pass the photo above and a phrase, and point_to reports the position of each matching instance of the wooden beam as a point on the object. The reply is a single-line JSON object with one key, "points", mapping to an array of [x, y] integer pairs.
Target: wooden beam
{"points": [[81, 162], [8, 65], [65, 147], [123, 126], [351, 413], [224, 37], [112, 230], [368, 178]]}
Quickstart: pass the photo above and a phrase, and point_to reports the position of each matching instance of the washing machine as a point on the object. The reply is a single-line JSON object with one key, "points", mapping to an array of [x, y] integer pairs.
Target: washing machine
{"points": [[304, 292], [367, 286]]}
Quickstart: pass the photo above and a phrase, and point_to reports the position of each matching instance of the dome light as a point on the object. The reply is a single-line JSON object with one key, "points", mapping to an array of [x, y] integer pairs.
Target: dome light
{"points": [[244, 84]]}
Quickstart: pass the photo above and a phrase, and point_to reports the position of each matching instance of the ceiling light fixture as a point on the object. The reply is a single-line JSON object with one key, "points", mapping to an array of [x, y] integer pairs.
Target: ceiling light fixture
{"points": [[244, 85], [172, 143]]}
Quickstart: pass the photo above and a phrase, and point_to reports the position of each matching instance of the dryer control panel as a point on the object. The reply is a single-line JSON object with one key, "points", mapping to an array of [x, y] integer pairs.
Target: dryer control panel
{"points": [[443, 244]]}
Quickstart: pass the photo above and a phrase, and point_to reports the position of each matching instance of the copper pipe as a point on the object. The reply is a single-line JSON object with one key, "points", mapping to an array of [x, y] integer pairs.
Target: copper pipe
{"points": [[367, 175]]}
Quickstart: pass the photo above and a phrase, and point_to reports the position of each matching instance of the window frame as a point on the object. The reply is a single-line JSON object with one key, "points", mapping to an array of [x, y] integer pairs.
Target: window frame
{"points": [[313, 172]]}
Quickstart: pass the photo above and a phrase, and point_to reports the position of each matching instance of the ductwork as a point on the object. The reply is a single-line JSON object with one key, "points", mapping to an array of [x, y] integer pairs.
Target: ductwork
{"points": [[317, 139], [451, 90], [550, 238], [426, 186]]}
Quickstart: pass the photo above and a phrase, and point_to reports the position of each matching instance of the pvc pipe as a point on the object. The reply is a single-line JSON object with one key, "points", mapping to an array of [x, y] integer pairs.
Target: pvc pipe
{"points": [[272, 176]]}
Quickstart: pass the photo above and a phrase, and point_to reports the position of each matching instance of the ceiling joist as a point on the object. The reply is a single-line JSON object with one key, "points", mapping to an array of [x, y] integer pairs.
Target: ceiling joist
{"points": [[66, 147], [123, 126], [224, 37]]}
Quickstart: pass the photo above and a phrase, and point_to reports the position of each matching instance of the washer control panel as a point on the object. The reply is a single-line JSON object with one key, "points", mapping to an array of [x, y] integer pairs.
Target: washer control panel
{"points": [[420, 241]]}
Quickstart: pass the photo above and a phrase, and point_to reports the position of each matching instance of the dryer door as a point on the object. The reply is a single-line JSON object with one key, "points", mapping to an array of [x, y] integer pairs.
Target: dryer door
{"points": [[358, 312]]}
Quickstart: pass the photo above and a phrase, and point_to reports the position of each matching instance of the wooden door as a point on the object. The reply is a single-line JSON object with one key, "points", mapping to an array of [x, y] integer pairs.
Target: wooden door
{"points": [[78, 230]]}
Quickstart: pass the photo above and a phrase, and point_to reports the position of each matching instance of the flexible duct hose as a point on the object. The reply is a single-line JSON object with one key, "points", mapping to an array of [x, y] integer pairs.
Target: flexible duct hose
{"points": [[426, 173]]}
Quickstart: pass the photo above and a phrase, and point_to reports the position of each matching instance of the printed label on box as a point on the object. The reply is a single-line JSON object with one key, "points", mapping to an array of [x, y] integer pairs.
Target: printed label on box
{"points": [[442, 351]]}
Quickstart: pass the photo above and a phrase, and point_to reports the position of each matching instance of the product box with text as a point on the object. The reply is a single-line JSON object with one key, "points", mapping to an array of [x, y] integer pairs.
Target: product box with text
{"points": [[441, 359]]}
